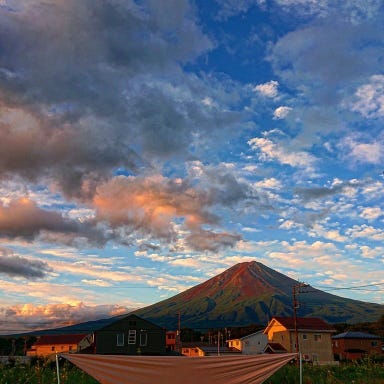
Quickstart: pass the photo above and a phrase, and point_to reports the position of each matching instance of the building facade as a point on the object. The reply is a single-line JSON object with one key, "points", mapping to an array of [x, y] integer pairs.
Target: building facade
{"points": [[251, 344], [312, 334], [47, 345], [355, 345], [130, 335]]}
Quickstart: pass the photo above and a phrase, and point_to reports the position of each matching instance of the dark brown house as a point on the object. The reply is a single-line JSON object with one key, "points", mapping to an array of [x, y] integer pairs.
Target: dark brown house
{"points": [[355, 345], [130, 335]]}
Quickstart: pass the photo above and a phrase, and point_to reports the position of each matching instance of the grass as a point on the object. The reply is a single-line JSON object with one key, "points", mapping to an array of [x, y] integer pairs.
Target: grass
{"points": [[362, 372], [44, 372]]}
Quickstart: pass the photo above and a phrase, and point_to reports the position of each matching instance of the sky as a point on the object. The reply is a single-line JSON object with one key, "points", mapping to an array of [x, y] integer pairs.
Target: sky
{"points": [[147, 146]]}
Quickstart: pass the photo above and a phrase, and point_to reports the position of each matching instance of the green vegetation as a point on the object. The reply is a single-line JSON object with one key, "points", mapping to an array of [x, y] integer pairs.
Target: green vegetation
{"points": [[362, 372], [44, 372]]}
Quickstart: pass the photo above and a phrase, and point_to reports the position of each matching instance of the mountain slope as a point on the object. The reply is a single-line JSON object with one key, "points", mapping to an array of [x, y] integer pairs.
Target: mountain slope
{"points": [[251, 293]]}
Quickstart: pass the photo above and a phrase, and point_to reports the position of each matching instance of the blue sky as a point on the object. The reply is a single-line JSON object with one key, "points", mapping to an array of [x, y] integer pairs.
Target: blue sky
{"points": [[147, 146]]}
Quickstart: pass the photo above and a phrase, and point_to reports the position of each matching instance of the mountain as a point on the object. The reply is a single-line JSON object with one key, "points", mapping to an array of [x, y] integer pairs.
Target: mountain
{"points": [[251, 293]]}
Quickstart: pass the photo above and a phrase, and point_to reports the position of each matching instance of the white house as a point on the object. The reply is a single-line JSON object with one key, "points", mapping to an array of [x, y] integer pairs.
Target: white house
{"points": [[251, 344]]}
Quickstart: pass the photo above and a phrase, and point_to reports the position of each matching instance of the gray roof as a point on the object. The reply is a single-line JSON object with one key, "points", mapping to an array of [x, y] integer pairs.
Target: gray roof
{"points": [[355, 335]]}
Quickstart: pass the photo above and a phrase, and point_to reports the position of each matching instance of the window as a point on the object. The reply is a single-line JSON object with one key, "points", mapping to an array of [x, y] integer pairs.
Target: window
{"points": [[52, 348], [305, 337], [120, 339], [132, 336], [143, 339], [374, 344], [317, 337]]}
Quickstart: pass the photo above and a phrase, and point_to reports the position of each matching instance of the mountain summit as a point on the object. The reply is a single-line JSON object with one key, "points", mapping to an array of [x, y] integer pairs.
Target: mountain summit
{"points": [[251, 293]]}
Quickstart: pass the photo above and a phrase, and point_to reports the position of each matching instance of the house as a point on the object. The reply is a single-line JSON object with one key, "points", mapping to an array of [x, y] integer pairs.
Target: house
{"points": [[130, 335], [47, 345], [355, 345], [200, 349], [313, 336], [250, 344], [170, 340], [273, 348]]}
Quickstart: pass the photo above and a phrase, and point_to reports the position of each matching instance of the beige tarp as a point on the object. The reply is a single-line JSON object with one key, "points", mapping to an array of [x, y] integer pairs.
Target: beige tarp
{"points": [[112, 369]]}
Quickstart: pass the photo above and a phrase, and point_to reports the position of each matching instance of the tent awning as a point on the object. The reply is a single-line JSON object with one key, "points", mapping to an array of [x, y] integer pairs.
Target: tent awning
{"points": [[118, 369]]}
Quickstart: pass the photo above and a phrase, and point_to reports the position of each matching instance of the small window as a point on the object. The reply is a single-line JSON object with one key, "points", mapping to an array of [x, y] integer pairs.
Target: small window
{"points": [[305, 337], [317, 337], [52, 348], [120, 339], [143, 339], [132, 336]]}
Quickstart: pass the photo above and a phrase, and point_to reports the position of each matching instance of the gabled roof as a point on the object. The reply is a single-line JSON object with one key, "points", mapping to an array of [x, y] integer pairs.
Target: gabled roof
{"points": [[275, 348], [59, 339], [303, 323], [252, 334], [355, 335]]}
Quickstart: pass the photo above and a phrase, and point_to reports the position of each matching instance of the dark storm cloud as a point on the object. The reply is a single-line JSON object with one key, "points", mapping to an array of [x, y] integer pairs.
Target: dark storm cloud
{"points": [[20, 266], [24, 219], [88, 87]]}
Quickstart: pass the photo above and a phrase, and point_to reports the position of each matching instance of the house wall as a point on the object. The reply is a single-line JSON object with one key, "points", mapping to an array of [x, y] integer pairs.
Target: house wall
{"points": [[282, 336], [136, 336], [254, 344], [313, 348], [340, 346], [235, 343], [192, 352], [316, 346], [49, 349]]}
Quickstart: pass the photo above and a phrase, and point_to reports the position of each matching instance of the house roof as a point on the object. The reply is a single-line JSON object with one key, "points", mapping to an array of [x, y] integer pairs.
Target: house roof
{"points": [[275, 347], [252, 334], [303, 323], [209, 348], [60, 339], [355, 335]]}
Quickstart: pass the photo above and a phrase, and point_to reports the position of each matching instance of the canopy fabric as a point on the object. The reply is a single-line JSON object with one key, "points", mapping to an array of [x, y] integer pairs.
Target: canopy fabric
{"points": [[118, 369]]}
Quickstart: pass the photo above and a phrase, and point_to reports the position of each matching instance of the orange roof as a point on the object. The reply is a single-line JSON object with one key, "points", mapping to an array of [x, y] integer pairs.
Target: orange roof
{"points": [[60, 339], [307, 323]]}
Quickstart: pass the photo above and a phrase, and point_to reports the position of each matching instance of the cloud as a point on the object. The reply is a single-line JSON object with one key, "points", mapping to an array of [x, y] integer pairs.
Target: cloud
{"points": [[17, 266], [363, 150], [270, 151], [371, 213], [24, 317], [369, 98], [22, 218], [281, 112], [211, 241], [268, 89], [315, 193]]}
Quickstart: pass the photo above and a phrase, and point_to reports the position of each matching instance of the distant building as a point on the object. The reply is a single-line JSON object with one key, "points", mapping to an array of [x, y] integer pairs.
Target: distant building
{"points": [[130, 335], [200, 349], [170, 340], [47, 345], [313, 334], [123, 335], [355, 345], [251, 344]]}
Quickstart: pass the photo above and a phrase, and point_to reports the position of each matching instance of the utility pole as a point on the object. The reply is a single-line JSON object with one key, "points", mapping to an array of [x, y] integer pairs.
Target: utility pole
{"points": [[178, 335], [295, 291]]}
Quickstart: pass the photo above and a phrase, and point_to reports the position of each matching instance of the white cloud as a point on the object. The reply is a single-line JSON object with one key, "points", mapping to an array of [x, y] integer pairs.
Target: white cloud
{"points": [[269, 151], [281, 112], [369, 98], [364, 152], [366, 231], [268, 89], [371, 213]]}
